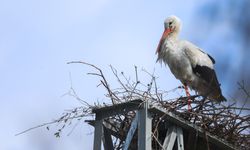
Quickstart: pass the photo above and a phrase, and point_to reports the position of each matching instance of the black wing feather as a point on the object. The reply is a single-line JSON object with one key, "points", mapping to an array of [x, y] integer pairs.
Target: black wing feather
{"points": [[207, 74], [211, 58], [210, 77]]}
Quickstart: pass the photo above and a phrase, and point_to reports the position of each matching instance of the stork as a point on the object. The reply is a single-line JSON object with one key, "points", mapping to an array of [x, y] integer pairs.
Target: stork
{"points": [[192, 66]]}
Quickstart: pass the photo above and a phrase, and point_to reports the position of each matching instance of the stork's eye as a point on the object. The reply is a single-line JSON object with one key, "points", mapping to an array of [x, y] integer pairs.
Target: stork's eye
{"points": [[170, 23]]}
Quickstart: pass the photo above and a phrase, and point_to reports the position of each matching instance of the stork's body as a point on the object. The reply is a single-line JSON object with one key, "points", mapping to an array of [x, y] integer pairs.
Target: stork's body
{"points": [[188, 63]]}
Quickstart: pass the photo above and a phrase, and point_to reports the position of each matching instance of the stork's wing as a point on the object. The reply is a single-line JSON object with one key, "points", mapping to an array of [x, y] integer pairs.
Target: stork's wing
{"points": [[211, 58], [213, 84], [202, 65], [196, 55], [206, 74]]}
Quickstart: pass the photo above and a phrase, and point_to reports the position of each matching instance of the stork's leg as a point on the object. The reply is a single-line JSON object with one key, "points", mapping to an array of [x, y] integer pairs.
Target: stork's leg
{"points": [[188, 95]]}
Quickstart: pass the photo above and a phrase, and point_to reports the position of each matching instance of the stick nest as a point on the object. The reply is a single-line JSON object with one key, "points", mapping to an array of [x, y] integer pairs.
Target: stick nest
{"points": [[229, 122]]}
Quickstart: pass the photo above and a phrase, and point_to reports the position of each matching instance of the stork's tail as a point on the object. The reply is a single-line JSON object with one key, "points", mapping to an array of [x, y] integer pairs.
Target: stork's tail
{"points": [[220, 98]]}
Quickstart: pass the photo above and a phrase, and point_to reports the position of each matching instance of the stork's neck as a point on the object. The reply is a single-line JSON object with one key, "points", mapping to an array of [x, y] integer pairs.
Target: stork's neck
{"points": [[173, 36]]}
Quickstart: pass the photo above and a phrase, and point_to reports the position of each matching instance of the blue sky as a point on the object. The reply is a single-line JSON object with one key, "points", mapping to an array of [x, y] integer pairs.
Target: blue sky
{"points": [[38, 38]]}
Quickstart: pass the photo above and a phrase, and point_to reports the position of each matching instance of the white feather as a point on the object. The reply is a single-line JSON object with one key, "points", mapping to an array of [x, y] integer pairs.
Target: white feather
{"points": [[196, 55]]}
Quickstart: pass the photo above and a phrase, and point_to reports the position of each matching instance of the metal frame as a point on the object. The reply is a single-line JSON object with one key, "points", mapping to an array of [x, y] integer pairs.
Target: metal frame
{"points": [[174, 133], [144, 128], [131, 132], [143, 122]]}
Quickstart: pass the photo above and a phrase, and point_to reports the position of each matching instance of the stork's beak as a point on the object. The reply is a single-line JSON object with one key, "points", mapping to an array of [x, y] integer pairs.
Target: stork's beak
{"points": [[163, 37]]}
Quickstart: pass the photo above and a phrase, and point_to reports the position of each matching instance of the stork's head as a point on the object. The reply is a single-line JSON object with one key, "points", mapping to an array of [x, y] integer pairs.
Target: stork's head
{"points": [[172, 27]]}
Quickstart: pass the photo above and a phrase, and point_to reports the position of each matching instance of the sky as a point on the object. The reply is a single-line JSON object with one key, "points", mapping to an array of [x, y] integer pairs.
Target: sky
{"points": [[38, 38]]}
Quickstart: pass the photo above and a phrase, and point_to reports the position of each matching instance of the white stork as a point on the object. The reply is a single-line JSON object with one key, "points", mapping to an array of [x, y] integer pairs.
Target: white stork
{"points": [[193, 67]]}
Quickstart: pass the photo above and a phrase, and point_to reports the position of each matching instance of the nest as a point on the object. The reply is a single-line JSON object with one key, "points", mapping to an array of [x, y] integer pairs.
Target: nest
{"points": [[228, 122]]}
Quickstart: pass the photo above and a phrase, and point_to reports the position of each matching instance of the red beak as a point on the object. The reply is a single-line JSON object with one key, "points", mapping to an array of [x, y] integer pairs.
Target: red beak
{"points": [[163, 37]]}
